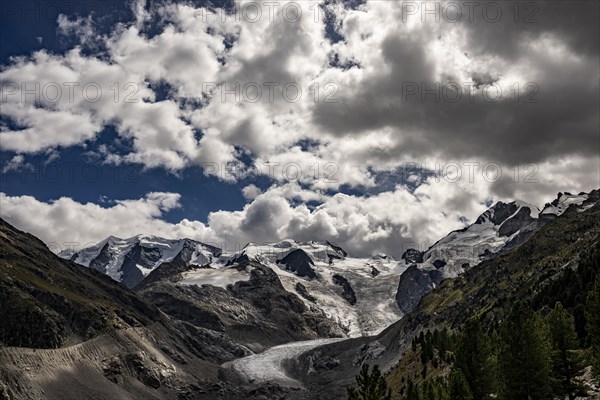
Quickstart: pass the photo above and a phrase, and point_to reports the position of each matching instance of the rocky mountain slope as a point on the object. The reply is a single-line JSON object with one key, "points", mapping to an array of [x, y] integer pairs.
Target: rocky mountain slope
{"points": [[255, 310], [70, 332], [499, 229], [355, 294]]}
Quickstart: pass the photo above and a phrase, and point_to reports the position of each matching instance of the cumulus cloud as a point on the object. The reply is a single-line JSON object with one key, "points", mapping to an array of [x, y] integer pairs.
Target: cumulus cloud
{"points": [[204, 90], [387, 222], [381, 72], [251, 191], [65, 222]]}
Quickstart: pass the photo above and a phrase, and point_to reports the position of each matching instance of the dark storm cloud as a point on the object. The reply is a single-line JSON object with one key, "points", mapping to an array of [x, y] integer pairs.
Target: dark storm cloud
{"points": [[576, 22], [556, 115]]}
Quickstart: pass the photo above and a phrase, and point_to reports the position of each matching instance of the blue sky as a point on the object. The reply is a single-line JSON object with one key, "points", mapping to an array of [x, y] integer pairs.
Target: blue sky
{"points": [[370, 162], [74, 173]]}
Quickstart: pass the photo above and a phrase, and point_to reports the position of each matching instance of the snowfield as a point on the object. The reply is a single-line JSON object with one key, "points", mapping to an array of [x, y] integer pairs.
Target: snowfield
{"points": [[221, 277], [375, 307]]}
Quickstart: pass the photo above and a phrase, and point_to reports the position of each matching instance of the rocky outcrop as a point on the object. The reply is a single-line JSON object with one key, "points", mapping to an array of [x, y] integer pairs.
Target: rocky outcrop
{"points": [[412, 256], [302, 291], [188, 249], [414, 284], [498, 213], [299, 263], [516, 222], [347, 293], [338, 249], [166, 271], [266, 294], [101, 261], [131, 274]]}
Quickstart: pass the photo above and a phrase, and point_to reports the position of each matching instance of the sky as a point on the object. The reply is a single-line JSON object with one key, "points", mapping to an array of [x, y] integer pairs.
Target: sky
{"points": [[377, 125]]}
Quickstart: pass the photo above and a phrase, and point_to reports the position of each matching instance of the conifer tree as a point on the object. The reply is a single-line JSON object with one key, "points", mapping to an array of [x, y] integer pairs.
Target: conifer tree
{"points": [[412, 391], [525, 355], [566, 362], [474, 357], [593, 325], [458, 387], [371, 385]]}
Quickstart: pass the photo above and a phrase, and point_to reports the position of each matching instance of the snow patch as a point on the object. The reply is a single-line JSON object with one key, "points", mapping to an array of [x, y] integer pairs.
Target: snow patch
{"points": [[221, 277]]}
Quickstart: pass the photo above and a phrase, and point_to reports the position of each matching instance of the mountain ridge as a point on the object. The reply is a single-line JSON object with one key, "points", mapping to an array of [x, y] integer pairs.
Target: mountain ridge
{"points": [[486, 291]]}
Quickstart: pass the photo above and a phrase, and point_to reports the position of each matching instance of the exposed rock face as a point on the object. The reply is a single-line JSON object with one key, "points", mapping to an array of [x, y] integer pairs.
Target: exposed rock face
{"points": [[516, 222], [374, 271], [166, 271], [412, 256], [300, 263], [337, 248], [302, 291], [348, 293], [498, 213], [138, 256], [190, 247], [99, 263], [266, 293], [414, 284]]}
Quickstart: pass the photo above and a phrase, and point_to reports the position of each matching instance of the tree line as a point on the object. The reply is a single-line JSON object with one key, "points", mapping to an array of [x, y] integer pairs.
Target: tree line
{"points": [[534, 355]]}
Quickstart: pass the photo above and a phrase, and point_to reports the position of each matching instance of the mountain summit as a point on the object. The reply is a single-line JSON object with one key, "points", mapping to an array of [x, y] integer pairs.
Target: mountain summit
{"points": [[130, 260], [500, 228]]}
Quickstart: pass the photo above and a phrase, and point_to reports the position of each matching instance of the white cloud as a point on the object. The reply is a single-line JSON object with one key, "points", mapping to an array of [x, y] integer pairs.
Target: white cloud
{"points": [[387, 222], [251, 191], [65, 221], [364, 225], [15, 164], [81, 28], [369, 128]]}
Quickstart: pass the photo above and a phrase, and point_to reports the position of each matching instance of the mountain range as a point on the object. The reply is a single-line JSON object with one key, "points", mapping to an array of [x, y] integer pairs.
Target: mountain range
{"points": [[356, 293], [149, 317]]}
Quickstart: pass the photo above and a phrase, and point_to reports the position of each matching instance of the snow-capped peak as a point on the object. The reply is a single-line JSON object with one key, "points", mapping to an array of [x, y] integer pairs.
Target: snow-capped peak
{"points": [[358, 293], [130, 260], [563, 201], [272, 252], [534, 211]]}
